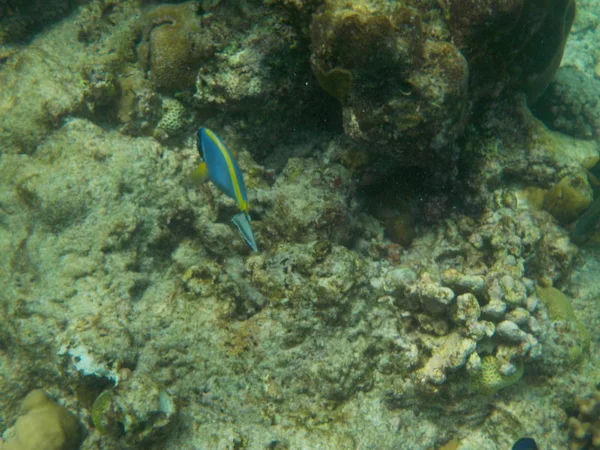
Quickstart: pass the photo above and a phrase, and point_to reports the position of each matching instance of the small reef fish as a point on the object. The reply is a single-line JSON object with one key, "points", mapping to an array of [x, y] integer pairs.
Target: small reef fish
{"points": [[525, 443], [219, 166]]}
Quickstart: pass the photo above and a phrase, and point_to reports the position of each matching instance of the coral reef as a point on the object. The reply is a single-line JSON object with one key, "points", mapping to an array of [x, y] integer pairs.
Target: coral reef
{"points": [[131, 291], [44, 425], [521, 147]]}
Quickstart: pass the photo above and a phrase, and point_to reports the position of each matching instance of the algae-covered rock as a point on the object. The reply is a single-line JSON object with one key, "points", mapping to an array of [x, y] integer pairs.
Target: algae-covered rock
{"points": [[44, 425], [512, 43], [571, 104]]}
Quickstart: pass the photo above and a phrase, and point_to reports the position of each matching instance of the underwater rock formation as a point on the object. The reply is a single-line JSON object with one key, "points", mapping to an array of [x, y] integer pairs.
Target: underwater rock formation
{"points": [[407, 76], [21, 19], [133, 292], [516, 44], [400, 89], [137, 412]]}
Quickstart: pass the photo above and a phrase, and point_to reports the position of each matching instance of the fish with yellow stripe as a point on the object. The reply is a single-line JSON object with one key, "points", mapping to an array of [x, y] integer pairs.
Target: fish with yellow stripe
{"points": [[219, 166]]}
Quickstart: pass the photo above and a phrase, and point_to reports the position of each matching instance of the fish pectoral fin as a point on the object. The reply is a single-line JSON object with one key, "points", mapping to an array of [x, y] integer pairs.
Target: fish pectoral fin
{"points": [[200, 174], [242, 221]]}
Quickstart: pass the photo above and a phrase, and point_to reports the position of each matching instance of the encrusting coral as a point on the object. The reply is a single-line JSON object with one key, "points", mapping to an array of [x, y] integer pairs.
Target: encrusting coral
{"points": [[44, 425]]}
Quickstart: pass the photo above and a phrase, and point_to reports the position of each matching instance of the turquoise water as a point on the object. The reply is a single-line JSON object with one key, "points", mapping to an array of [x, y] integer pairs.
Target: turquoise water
{"points": [[421, 182]]}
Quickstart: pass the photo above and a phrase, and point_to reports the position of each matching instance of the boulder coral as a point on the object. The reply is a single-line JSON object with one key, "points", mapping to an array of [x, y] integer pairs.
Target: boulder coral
{"points": [[172, 46], [44, 425]]}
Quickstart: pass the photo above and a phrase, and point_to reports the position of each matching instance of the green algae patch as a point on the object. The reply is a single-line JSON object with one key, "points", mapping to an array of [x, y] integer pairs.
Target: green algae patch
{"points": [[560, 309]]}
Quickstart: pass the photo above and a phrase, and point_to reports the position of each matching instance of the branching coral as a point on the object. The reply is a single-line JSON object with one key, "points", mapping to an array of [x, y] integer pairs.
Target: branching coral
{"points": [[584, 430]]}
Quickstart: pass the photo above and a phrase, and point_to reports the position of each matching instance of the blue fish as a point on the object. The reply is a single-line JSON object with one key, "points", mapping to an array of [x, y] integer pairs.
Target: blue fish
{"points": [[219, 166], [525, 443]]}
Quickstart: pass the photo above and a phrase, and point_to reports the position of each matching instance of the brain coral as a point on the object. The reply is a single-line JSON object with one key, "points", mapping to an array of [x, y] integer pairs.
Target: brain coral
{"points": [[172, 46]]}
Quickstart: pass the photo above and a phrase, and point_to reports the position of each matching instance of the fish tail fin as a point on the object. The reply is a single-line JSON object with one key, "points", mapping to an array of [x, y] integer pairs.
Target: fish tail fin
{"points": [[242, 221]]}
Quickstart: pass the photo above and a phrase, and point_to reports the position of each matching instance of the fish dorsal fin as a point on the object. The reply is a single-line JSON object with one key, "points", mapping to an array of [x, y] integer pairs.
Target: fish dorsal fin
{"points": [[242, 221]]}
